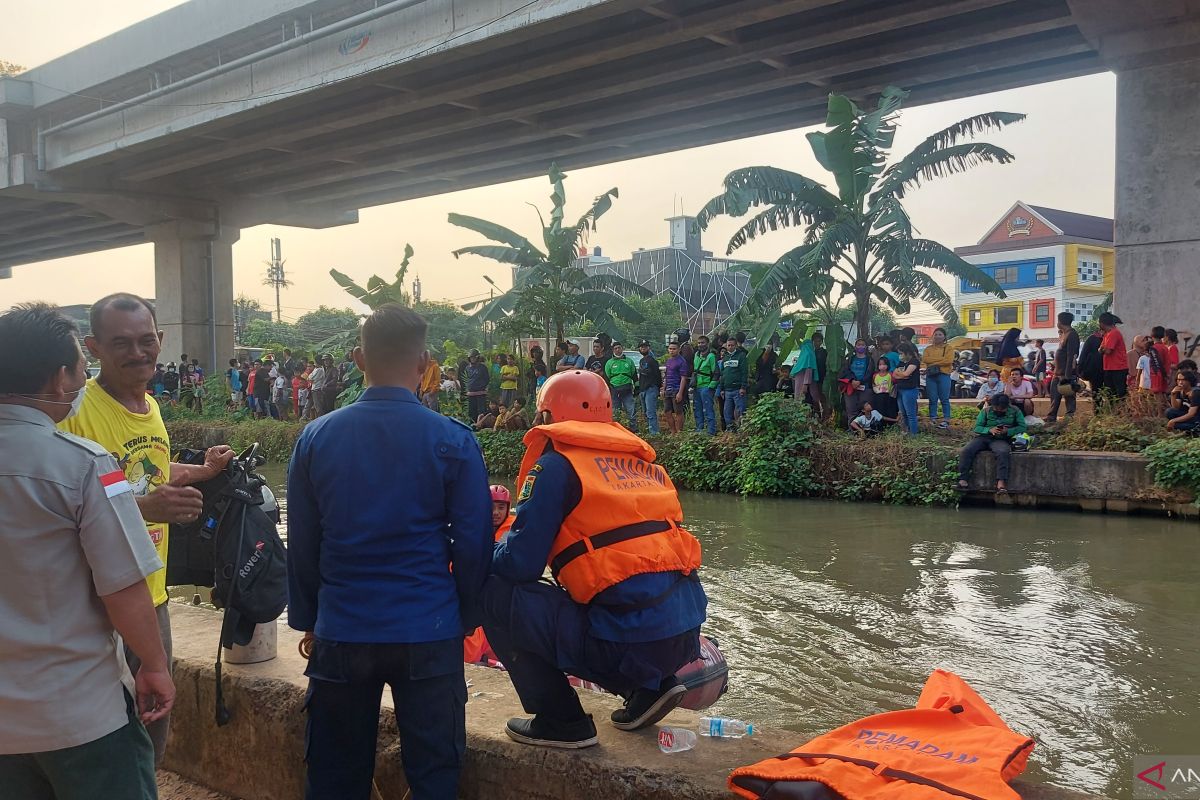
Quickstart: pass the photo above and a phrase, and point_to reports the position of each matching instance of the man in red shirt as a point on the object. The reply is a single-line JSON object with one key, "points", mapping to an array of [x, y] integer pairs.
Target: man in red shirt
{"points": [[1116, 361]]}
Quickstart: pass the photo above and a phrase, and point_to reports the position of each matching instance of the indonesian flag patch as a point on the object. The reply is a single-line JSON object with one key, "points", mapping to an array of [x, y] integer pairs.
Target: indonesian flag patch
{"points": [[114, 483]]}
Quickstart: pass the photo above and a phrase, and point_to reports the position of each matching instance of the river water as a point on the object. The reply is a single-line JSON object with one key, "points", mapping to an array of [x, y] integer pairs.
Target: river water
{"points": [[1080, 631]]}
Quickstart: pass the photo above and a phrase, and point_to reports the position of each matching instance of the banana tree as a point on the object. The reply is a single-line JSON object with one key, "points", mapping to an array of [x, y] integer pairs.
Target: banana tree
{"points": [[547, 283], [858, 241], [378, 291]]}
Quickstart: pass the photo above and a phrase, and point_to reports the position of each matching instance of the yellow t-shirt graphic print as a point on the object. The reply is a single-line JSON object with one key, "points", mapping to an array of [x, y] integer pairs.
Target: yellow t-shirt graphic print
{"points": [[139, 444]]}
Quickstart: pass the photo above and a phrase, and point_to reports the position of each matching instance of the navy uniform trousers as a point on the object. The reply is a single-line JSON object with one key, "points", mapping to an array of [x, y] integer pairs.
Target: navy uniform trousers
{"points": [[345, 687], [540, 633]]}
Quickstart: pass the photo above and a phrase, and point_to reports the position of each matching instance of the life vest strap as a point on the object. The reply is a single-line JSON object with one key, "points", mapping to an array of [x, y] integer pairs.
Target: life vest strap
{"points": [[887, 772], [606, 539]]}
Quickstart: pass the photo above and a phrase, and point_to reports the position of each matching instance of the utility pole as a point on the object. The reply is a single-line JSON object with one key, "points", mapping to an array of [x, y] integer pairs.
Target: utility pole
{"points": [[275, 275]]}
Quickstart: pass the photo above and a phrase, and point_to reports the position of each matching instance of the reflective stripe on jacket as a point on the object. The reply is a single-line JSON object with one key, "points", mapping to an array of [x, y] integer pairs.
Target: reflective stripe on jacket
{"points": [[952, 745], [628, 520]]}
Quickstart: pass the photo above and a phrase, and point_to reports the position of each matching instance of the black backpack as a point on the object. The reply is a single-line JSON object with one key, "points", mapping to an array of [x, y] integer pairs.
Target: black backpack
{"points": [[234, 547]]}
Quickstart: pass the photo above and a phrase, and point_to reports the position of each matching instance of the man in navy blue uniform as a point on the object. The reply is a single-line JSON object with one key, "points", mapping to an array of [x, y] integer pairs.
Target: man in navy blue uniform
{"points": [[627, 608], [383, 496]]}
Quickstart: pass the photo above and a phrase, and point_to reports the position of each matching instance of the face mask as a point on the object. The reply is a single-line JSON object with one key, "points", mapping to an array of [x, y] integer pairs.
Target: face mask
{"points": [[76, 403], [993, 381], [860, 350]]}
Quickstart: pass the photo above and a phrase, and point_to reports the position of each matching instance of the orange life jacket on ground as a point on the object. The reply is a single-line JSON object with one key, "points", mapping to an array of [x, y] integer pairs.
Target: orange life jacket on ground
{"points": [[952, 745], [628, 520], [475, 645]]}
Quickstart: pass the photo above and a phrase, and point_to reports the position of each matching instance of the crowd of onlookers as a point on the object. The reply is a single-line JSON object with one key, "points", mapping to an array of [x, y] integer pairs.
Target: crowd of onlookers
{"points": [[713, 378], [290, 387]]}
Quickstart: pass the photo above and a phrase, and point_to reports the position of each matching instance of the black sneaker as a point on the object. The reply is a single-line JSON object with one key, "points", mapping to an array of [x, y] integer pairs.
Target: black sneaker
{"points": [[551, 733], [646, 706]]}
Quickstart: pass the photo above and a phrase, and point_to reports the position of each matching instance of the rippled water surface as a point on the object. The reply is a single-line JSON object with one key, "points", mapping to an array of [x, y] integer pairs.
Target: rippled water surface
{"points": [[1080, 630]]}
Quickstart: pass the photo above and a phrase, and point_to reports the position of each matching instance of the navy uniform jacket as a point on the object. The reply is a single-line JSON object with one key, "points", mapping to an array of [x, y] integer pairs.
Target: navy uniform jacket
{"points": [[521, 556], [382, 496]]}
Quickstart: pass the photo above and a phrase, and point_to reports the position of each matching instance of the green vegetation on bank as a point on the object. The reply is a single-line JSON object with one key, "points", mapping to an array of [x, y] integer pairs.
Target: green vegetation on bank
{"points": [[780, 452]]}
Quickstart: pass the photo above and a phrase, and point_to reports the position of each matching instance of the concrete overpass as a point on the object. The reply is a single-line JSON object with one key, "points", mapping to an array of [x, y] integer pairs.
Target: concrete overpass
{"points": [[220, 114]]}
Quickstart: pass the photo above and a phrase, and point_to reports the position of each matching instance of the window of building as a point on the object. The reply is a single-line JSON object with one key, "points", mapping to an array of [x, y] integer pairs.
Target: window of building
{"points": [[1042, 272], [1091, 269], [974, 317], [1006, 275], [1082, 311], [1041, 312], [1006, 315]]}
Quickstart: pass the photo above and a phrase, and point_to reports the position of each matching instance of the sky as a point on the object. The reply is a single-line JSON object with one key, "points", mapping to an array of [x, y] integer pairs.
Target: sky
{"points": [[1065, 158]]}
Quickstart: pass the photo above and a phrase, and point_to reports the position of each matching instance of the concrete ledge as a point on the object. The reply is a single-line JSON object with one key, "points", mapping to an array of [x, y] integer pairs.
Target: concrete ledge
{"points": [[1117, 483], [259, 755]]}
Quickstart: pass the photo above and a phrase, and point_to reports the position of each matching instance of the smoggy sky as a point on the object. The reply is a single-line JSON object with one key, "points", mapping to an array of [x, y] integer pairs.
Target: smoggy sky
{"points": [[1064, 151]]}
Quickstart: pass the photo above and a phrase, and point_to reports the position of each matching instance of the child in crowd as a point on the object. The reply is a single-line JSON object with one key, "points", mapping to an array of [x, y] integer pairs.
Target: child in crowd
{"points": [[882, 390], [870, 421]]}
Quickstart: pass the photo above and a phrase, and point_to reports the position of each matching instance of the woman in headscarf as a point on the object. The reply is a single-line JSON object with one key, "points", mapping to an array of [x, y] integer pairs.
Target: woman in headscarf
{"points": [[1009, 355]]}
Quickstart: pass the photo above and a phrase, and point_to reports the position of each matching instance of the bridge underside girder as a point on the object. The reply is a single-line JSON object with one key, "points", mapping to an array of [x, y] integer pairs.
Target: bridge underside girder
{"points": [[618, 80]]}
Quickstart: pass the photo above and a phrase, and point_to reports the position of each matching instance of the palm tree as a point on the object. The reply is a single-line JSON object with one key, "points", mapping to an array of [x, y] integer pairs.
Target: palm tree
{"points": [[547, 284], [859, 241]]}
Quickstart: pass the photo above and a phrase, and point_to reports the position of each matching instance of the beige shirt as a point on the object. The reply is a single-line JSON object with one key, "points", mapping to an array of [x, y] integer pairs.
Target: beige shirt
{"points": [[70, 532]]}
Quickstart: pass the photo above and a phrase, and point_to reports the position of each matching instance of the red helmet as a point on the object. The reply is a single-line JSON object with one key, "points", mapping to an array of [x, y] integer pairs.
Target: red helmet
{"points": [[576, 395], [500, 494]]}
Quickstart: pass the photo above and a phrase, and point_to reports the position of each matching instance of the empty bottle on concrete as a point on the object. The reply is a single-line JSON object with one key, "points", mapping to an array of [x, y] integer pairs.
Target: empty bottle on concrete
{"points": [[676, 740], [722, 728]]}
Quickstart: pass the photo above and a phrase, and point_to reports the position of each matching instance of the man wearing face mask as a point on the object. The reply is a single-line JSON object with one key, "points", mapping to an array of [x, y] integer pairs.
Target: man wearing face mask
{"points": [[75, 561], [116, 414], [993, 386]]}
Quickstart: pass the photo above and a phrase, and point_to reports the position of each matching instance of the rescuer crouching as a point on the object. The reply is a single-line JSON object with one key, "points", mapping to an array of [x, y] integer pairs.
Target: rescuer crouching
{"points": [[626, 607]]}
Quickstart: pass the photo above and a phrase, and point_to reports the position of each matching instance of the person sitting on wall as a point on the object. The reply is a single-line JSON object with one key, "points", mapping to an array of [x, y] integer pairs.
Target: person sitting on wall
{"points": [[995, 428], [1184, 413], [1020, 391]]}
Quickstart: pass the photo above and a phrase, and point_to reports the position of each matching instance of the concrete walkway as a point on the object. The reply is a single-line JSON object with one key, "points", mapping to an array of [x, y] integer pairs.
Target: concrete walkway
{"points": [[259, 754], [173, 787]]}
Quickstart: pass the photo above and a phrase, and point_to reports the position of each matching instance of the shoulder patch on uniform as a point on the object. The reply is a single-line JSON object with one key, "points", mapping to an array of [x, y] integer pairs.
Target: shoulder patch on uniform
{"points": [[86, 444], [114, 483], [527, 486]]}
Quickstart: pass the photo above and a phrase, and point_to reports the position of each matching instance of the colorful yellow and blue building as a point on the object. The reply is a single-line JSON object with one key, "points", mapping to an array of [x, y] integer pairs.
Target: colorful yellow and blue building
{"points": [[1047, 261]]}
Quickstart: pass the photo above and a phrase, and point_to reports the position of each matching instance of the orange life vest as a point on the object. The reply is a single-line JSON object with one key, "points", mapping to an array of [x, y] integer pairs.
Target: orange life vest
{"points": [[952, 745], [628, 520], [475, 644]]}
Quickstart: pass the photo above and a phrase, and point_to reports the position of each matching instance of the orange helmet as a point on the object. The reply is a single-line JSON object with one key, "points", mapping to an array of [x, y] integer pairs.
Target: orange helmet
{"points": [[576, 395]]}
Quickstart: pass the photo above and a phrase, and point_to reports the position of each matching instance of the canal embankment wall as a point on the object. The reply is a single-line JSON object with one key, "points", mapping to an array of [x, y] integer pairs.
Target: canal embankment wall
{"points": [[1119, 483], [259, 755]]}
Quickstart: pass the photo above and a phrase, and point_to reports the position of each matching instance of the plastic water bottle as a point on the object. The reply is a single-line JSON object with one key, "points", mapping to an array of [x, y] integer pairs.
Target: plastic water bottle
{"points": [[722, 728], [676, 740]]}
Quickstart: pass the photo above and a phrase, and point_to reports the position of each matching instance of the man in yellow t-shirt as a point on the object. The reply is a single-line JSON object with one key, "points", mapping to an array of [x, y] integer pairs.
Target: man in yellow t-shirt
{"points": [[510, 373], [117, 414]]}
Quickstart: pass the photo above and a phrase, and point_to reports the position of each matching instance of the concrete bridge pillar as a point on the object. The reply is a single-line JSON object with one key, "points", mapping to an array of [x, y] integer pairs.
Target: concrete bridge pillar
{"points": [[1155, 50], [1157, 200], [193, 281]]}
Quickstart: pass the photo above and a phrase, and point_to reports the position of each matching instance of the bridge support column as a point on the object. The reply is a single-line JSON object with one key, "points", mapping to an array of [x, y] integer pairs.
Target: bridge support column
{"points": [[1155, 50], [193, 282], [1158, 190]]}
